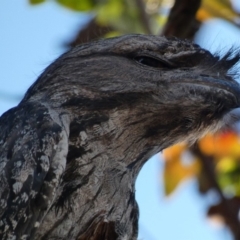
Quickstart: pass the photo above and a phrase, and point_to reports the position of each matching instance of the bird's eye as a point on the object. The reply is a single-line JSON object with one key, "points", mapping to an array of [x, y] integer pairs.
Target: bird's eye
{"points": [[152, 62]]}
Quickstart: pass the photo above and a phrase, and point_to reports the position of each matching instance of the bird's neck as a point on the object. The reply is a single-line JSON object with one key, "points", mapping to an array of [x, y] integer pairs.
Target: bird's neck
{"points": [[115, 139]]}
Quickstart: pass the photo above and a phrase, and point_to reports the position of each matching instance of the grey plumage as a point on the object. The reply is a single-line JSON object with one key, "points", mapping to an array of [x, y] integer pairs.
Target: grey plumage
{"points": [[71, 150]]}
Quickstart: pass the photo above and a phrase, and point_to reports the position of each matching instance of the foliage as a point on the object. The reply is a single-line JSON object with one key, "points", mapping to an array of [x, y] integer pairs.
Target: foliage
{"points": [[36, 1], [223, 149], [218, 168], [77, 5], [218, 9], [177, 169], [142, 16], [121, 15]]}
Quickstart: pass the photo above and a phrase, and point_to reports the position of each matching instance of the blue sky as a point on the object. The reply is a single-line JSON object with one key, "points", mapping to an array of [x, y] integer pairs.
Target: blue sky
{"points": [[32, 37]]}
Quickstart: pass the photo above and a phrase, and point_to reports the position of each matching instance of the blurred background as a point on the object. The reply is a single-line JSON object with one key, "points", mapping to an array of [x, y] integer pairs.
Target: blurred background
{"points": [[186, 193]]}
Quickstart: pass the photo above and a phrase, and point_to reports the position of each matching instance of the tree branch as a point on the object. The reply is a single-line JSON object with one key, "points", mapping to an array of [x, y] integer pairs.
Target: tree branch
{"points": [[181, 21], [229, 212]]}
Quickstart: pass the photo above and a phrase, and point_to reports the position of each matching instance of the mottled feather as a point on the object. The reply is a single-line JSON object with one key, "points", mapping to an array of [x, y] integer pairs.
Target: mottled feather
{"points": [[71, 150]]}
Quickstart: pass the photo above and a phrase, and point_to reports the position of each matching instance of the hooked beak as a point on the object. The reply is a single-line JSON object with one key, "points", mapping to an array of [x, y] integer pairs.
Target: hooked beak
{"points": [[228, 90]]}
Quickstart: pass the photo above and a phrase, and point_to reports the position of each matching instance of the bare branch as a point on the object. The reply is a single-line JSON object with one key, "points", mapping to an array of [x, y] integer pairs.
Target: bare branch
{"points": [[181, 21]]}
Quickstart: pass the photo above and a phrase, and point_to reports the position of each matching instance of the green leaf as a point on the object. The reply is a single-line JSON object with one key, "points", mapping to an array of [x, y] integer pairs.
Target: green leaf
{"points": [[121, 15], [110, 11], [33, 2], [112, 34], [228, 176], [77, 5]]}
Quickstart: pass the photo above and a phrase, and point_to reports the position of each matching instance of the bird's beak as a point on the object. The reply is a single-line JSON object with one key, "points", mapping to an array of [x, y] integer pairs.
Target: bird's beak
{"points": [[229, 90]]}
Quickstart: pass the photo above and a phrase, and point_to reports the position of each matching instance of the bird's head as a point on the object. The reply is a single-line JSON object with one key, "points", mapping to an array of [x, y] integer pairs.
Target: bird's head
{"points": [[176, 88]]}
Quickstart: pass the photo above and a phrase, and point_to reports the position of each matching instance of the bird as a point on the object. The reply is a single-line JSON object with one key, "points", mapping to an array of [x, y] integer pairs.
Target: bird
{"points": [[71, 150]]}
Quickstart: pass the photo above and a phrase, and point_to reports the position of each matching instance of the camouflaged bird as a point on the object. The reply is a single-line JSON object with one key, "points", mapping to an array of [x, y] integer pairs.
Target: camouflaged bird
{"points": [[71, 150]]}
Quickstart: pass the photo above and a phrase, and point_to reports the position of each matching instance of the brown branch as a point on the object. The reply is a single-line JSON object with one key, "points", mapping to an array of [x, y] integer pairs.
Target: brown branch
{"points": [[229, 212], [143, 16], [91, 31], [182, 22]]}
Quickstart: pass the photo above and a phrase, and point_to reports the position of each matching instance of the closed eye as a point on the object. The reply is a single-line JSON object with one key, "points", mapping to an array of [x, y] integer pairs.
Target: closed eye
{"points": [[151, 62]]}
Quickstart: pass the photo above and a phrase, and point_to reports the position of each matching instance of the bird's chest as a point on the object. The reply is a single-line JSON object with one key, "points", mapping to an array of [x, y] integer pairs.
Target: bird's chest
{"points": [[96, 190]]}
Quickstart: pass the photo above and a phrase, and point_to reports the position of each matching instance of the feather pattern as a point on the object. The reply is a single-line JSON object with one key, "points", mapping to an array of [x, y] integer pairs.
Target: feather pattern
{"points": [[71, 150]]}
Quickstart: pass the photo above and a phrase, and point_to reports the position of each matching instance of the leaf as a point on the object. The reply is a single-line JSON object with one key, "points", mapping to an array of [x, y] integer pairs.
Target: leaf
{"points": [[221, 145], [77, 5], [112, 34], [33, 2], [110, 11], [174, 152], [206, 145], [228, 144], [217, 9], [226, 164], [122, 15], [175, 171], [228, 175]]}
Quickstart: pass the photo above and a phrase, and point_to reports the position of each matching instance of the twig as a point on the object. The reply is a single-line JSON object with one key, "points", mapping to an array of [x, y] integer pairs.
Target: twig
{"points": [[181, 21]]}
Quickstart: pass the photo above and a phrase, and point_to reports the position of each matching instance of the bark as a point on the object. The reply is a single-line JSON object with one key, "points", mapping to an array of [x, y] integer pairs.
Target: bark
{"points": [[182, 22]]}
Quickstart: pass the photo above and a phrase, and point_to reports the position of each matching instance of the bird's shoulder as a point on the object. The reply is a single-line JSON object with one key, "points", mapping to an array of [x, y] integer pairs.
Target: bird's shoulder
{"points": [[33, 151]]}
